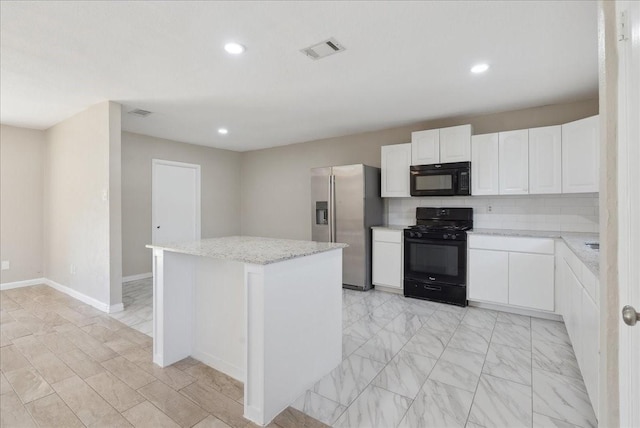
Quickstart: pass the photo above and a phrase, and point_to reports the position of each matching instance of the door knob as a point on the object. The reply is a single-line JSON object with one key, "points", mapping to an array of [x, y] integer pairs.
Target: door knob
{"points": [[629, 315]]}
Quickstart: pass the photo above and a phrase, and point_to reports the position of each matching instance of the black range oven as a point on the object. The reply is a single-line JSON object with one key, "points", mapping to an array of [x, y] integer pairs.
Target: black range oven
{"points": [[435, 255]]}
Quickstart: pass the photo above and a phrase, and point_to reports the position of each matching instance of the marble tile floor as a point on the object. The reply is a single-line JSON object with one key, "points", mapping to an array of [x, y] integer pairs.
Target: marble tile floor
{"points": [[66, 364], [138, 306], [410, 363]]}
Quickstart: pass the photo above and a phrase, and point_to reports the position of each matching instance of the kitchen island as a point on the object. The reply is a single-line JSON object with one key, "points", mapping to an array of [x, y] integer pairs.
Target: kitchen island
{"points": [[267, 312]]}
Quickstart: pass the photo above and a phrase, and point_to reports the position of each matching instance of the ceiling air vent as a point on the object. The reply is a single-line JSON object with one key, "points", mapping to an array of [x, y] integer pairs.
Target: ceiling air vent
{"points": [[140, 112], [323, 49]]}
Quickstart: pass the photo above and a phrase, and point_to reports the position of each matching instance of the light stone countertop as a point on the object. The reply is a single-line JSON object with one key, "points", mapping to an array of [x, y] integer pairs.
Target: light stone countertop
{"points": [[390, 227], [574, 240], [250, 249]]}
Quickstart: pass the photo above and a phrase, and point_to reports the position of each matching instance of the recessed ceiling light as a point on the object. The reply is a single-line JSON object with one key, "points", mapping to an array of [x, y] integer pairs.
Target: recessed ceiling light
{"points": [[223, 131], [234, 48], [479, 68]]}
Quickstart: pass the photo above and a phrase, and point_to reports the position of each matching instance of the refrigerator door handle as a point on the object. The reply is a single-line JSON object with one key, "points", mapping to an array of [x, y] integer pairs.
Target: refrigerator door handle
{"points": [[332, 209]]}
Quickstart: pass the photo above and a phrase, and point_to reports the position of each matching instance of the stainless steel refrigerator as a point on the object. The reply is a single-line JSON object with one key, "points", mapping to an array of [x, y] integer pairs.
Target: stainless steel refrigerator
{"points": [[345, 203]]}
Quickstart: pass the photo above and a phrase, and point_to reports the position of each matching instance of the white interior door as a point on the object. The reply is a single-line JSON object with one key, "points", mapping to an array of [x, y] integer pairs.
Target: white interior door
{"points": [[629, 208], [175, 213]]}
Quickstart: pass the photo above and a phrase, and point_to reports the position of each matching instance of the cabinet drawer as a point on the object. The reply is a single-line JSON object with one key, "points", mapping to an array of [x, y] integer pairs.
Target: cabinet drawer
{"points": [[517, 244], [387, 235]]}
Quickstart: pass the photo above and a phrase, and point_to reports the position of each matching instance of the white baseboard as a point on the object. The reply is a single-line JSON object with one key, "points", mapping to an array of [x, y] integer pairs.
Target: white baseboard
{"points": [[25, 283], [219, 364], [66, 290], [518, 311], [137, 277]]}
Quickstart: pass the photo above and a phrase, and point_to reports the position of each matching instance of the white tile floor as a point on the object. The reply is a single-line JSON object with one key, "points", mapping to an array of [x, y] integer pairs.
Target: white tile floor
{"points": [[138, 306], [411, 363]]}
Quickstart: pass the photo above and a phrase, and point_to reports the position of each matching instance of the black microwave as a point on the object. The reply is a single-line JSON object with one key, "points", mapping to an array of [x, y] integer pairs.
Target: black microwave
{"points": [[443, 179]]}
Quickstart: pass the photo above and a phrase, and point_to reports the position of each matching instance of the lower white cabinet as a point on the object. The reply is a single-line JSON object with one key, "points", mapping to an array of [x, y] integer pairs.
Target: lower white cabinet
{"points": [[576, 287], [488, 276], [512, 271], [387, 258]]}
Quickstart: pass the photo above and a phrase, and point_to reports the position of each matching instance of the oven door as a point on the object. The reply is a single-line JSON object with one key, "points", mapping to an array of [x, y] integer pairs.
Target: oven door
{"points": [[434, 183], [435, 260]]}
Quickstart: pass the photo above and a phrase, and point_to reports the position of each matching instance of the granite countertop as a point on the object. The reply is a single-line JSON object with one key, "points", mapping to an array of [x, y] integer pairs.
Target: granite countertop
{"points": [[390, 227], [250, 249], [574, 240]]}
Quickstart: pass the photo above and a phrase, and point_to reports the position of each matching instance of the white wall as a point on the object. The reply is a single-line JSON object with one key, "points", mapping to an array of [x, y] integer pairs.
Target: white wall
{"points": [[80, 205], [220, 197], [566, 213], [276, 184], [21, 204]]}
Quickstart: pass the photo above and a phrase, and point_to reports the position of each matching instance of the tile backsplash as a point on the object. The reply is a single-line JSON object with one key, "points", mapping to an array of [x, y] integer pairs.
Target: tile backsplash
{"points": [[566, 213]]}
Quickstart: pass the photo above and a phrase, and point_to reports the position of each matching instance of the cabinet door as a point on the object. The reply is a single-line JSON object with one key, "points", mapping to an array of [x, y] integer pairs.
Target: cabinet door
{"points": [[484, 165], [488, 276], [581, 156], [590, 347], [395, 161], [531, 281], [573, 321], [545, 160], [455, 144], [387, 264], [425, 147], [514, 162]]}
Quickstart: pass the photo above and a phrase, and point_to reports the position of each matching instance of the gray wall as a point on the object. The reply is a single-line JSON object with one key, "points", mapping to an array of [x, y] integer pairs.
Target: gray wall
{"points": [[275, 182], [77, 215], [220, 198], [21, 208]]}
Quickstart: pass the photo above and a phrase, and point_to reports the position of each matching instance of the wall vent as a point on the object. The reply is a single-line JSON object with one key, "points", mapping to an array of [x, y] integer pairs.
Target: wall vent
{"points": [[323, 49], [140, 112]]}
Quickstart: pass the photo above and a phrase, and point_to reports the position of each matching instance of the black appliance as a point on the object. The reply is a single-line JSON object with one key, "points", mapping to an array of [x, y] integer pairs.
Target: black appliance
{"points": [[435, 255], [443, 179]]}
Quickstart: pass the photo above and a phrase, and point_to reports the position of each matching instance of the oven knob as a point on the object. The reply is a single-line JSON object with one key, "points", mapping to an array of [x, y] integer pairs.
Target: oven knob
{"points": [[418, 235], [445, 236]]}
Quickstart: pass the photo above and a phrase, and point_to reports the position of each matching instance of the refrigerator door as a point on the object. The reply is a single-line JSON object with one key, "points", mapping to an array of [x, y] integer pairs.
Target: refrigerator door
{"points": [[321, 205], [349, 222]]}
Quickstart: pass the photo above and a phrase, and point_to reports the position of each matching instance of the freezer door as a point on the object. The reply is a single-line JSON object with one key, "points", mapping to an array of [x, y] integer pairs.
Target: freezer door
{"points": [[349, 222], [320, 204]]}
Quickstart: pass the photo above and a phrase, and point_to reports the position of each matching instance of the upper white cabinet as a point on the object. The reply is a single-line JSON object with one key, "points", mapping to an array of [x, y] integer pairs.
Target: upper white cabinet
{"points": [[484, 165], [581, 155], [395, 161], [545, 160], [455, 144], [441, 145], [387, 258], [425, 147], [514, 162]]}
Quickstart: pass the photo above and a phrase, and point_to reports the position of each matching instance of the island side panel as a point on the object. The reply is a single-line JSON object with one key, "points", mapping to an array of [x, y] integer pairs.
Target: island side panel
{"points": [[173, 276], [219, 326], [294, 330]]}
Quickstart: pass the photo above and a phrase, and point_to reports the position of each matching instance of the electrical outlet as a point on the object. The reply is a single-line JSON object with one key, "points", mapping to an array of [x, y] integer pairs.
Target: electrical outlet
{"points": [[6, 265], [72, 269], [489, 208]]}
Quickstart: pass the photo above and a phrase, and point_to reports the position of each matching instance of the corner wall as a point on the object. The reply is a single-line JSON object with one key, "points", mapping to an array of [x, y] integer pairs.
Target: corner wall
{"points": [[80, 204], [21, 202]]}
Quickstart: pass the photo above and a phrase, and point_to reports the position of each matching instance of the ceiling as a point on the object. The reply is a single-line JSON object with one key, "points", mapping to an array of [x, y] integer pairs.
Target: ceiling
{"points": [[404, 62]]}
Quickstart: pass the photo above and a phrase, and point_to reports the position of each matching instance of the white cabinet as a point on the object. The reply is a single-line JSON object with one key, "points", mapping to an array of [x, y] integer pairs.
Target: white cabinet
{"points": [[530, 277], [395, 162], [488, 276], [581, 156], [514, 162], [581, 316], [484, 165], [387, 258], [455, 144], [545, 160], [512, 271], [425, 147], [441, 145]]}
